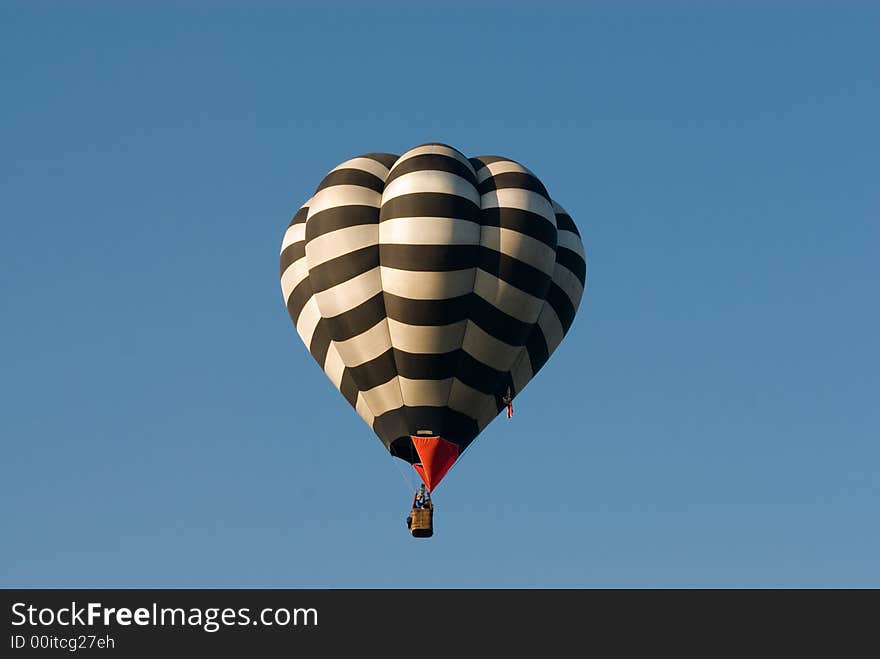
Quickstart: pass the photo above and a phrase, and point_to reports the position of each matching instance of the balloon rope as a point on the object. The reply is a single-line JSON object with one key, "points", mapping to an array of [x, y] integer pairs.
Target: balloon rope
{"points": [[399, 465]]}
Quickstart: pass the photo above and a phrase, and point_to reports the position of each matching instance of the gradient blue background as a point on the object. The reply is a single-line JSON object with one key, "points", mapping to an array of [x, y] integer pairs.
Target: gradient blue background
{"points": [[710, 420]]}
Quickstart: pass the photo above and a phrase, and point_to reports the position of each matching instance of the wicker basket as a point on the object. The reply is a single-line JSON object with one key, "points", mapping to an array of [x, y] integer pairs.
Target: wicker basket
{"points": [[422, 525]]}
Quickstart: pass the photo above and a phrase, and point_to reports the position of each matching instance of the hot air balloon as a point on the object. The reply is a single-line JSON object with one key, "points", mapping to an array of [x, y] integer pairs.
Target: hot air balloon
{"points": [[431, 288]]}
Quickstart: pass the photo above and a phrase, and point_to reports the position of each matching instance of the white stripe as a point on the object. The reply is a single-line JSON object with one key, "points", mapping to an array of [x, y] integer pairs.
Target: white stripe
{"points": [[429, 231], [519, 246], [374, 167], [425, 339], [300, 268], [343, 195], [569, 283], [571, 241], [298, 232], [291, 277], [430, 180], [434, 149], [485, 348], [507, 298], [519, 198], [366, 346], [420, 285], [430, 393], [333, 366], [349, 294], [384, 398], [364, 410], [551, 328], [294, 234], [501, 167], [308, 320], [329, 246]]}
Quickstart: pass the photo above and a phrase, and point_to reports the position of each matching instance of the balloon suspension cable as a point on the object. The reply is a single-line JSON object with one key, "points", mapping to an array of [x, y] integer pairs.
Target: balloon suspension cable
{"points": [[407, 473]]}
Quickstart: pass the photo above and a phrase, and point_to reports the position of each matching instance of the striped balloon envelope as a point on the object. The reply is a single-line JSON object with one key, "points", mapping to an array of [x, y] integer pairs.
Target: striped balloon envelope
{"points": [[431, 288]]}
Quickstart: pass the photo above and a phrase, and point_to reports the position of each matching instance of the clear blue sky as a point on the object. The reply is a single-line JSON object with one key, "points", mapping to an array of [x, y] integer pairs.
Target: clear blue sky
{"points": [[713, 412]]}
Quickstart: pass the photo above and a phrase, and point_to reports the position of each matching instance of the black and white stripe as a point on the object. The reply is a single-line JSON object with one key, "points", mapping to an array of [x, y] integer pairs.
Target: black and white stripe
{"points": [[427, 284]]}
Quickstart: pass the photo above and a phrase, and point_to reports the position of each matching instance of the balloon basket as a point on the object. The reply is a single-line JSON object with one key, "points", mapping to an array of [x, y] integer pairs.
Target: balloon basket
{"points": [[422, 524]]}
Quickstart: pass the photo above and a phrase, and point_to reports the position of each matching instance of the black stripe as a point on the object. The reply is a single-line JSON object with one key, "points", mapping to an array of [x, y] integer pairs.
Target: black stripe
{"points": [[413, 366], [418, 366], [352, 177], [300, 216], [537, 350], [562, 305], [301, 294], [445, 312], [430, 204], [526, 222], [457, 363], [387, 159], [340, 217], [565, 223], [358, 320], [292, 253], [427, 312], [435, 162], [481, 161], [521, 180], [474, 373], [498, 324], [515, 272], [573, 261], [375, 372], [428, 258], [339, 270], [348, 387], [320, 342], [391, 426]]}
